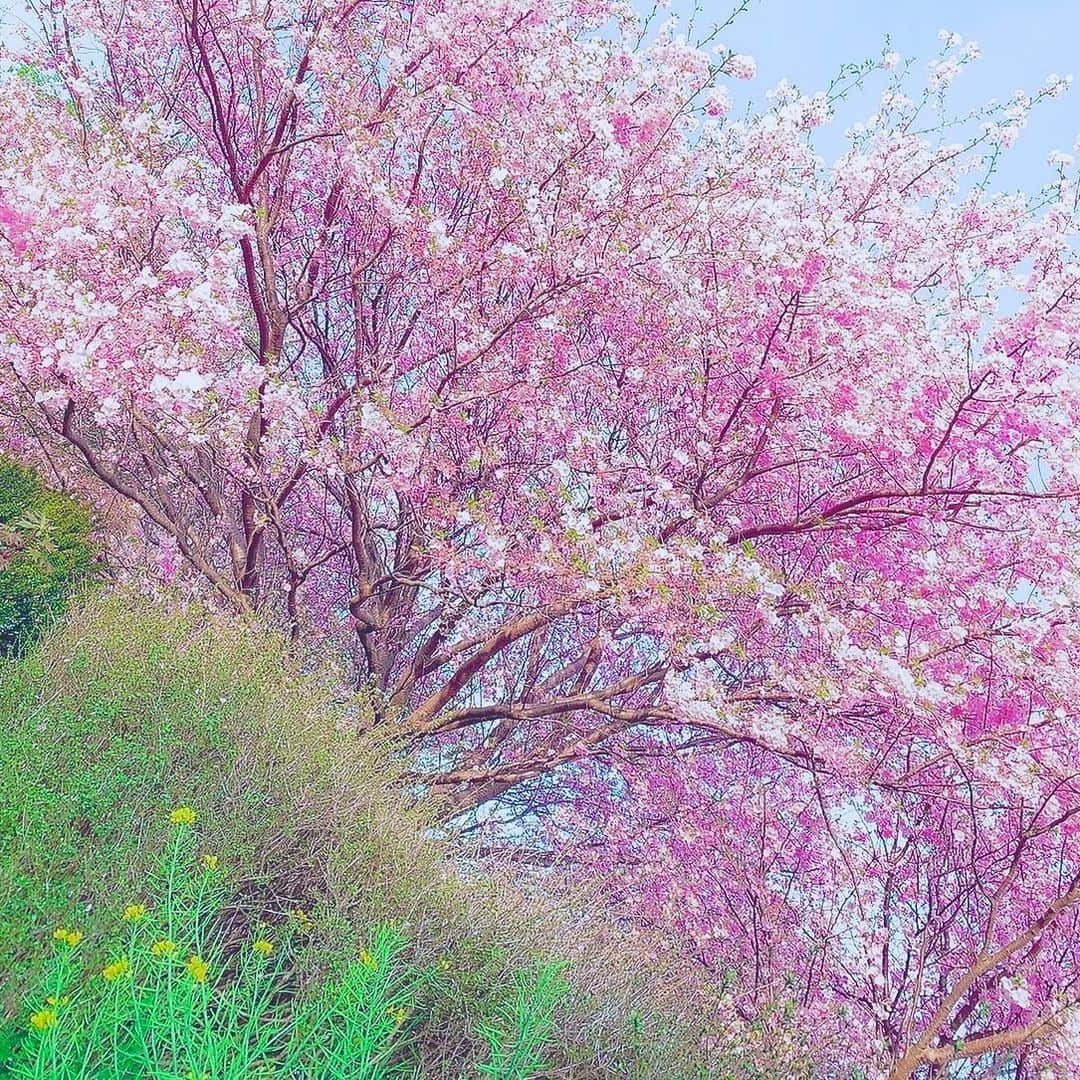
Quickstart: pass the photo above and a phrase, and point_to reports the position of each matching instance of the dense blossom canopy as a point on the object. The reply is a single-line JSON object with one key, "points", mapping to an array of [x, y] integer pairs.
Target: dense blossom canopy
{"points": [[708, 505]]}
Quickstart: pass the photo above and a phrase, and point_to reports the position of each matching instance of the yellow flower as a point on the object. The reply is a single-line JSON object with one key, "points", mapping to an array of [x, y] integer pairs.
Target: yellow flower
{"points": [[133, 912], [368, 960], [163, 948], [444, 964], [210, 862], [43, 1019], [70, 937], [398, 1015], [115, 969], [262, 947], [198, 968], [302, 918], [182, 815], [52, 999]]}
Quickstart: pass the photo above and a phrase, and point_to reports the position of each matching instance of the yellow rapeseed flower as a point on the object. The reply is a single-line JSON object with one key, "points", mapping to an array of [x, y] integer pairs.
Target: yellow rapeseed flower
{"points": [[182, 815], [444, 964], [53, 1000], [116, 969], [262, 947], [398, 1015], [163, 948], [69, 937], [133, 912], [198, 968], [210, 862], [43, 1019], [368, 960]]}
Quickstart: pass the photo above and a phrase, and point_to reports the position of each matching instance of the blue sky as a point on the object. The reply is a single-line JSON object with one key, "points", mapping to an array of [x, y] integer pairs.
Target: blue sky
{"points": [[806, 41]]}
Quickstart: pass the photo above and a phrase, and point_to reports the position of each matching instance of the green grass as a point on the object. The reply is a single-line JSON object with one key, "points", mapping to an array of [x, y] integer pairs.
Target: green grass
{"points": [[134, 708]]}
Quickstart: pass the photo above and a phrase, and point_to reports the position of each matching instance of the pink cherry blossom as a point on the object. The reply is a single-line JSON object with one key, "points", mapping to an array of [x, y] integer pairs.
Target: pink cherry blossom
{"points": [[741, 66], [708, 509]]}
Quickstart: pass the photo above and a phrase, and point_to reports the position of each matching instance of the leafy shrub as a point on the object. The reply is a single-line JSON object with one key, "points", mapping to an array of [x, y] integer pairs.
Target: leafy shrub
{"points": [[46, 552]]}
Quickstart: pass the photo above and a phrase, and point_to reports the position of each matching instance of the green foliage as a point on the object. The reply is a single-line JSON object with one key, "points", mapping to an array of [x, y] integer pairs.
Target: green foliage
{"points": [[45, 553], [175, 1000], [523, 1026], [359, 1023]]}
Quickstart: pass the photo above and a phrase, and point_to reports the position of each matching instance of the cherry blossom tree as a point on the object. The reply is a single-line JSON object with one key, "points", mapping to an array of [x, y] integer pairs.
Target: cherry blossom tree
{"points": [[707, 507]]}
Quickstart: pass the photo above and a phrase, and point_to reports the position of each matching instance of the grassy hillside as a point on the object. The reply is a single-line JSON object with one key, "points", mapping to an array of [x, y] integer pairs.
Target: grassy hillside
{"points": [[169, 764]]}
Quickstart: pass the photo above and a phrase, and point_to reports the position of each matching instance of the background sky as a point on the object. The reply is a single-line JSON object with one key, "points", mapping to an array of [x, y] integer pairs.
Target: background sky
{"points": [[806, 41]]}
